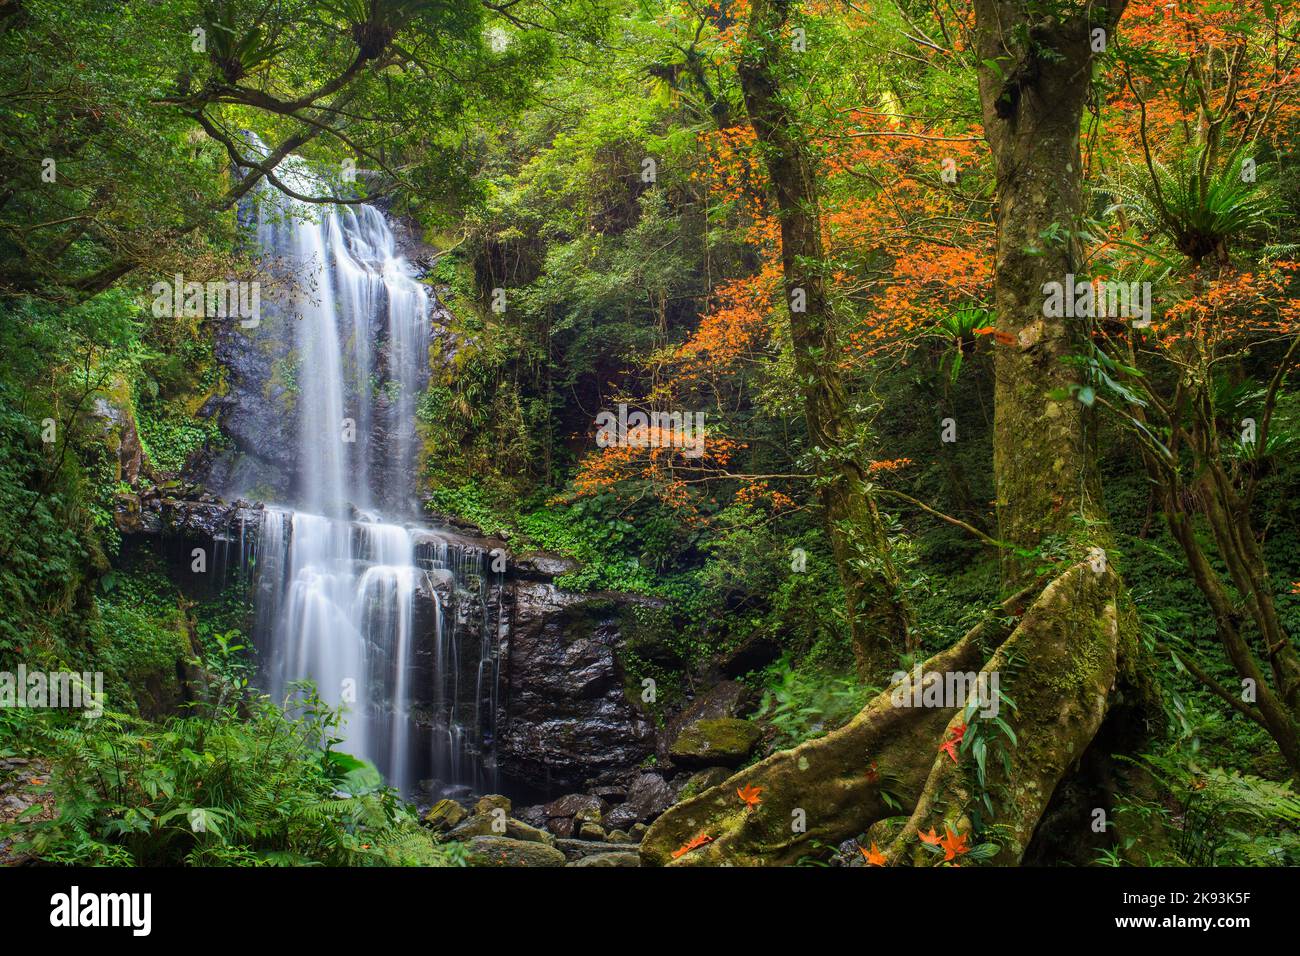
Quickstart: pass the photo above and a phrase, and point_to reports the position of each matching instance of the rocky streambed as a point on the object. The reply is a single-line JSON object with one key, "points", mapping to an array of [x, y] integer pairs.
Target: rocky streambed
{"points": [[699, 748]]}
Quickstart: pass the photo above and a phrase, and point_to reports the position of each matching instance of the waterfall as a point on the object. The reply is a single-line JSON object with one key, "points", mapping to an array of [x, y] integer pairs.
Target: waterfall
{"points": [[380, 613]]}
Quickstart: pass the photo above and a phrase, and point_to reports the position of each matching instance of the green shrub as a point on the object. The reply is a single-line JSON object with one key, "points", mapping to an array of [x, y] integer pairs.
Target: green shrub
{"points": [[228, 787]]}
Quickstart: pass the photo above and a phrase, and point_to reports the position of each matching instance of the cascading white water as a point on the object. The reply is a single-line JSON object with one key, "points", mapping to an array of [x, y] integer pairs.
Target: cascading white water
{"points": [[341, 589]]}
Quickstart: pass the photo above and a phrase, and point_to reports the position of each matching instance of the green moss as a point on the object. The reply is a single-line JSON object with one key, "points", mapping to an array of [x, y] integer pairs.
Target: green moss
{"points": [[726, 741]]}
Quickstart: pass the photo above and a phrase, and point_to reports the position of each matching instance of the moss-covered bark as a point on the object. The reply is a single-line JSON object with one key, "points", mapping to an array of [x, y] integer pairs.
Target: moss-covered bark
{"points": [[878, 619], [825, 790]]}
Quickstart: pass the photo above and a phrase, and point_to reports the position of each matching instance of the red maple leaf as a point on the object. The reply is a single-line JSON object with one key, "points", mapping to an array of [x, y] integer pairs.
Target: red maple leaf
{"points": [[1002, 338], [750, 794], [874, 856], [693, 844], [931, 838], [954, 844], [949, 746]]}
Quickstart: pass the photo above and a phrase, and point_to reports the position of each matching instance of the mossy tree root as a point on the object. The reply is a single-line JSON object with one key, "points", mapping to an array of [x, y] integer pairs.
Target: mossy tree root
{"points": [[824, 790], [1061, 664]]}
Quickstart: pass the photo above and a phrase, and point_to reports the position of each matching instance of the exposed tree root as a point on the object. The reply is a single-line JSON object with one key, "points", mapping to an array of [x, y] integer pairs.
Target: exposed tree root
{"points": [[825, 790], [1063, 664]]}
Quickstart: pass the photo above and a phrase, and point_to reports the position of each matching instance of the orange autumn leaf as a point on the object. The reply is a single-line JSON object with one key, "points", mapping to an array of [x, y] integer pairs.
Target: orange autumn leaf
{"points": [[949, 746], [876, 467], [692, 844], [931, 838], [750, 794], [954, 844], [874, 856], [1002, 338]]}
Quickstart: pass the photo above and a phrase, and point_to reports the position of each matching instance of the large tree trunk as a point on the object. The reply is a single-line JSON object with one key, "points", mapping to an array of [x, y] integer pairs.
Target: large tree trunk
{"points": [[1073, 655], [878, 619], [1044, 466]]}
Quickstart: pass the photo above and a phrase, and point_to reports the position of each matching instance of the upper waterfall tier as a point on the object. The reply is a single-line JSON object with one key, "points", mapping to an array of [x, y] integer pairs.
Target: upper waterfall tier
{"points": [[361, 341]]}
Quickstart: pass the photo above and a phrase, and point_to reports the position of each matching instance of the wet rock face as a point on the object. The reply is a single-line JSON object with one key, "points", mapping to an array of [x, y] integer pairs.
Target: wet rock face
{"points": [[567, 718], [198, 521], [256, 411]]}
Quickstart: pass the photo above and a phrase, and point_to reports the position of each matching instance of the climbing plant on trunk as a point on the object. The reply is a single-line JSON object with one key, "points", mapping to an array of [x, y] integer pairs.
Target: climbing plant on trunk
{"points": [[877, 615]]}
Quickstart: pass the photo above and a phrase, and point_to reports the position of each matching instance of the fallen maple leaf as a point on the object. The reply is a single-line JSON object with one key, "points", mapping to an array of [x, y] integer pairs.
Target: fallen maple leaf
{"points": [[954, 844], [750, 794], [692, 844], [874, 856], [931, 838], [873, 774], [949, 746]]}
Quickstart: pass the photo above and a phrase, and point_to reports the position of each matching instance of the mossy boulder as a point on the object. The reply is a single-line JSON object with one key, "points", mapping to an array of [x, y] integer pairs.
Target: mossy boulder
{"points": [[445, 814], [518, 830], [724, 742], [591, 831], [609, 859], [493, 801], [504, 851]]}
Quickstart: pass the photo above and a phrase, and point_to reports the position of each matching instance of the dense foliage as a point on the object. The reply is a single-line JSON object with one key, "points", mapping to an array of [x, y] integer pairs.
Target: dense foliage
{"points": [[592, 167]]}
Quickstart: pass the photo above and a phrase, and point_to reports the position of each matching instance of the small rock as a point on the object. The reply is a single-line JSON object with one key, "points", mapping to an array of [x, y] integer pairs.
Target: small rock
{"points": [[648, 795], [637, 832], [618, 836], [609, 859], [591, 831], [573, 803], [848, 853], [561, 826], [476, 826], [542, 565], [533, 816], [493, 801], [503, 851], [518, 830], [445, 814]]}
